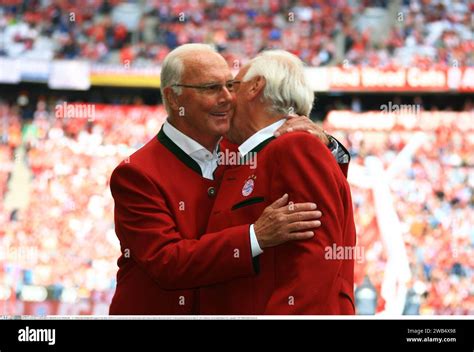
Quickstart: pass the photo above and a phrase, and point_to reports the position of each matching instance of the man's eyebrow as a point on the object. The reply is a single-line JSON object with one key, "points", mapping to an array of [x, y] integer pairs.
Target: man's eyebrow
{"points": [[217, 82], [210, 83]]}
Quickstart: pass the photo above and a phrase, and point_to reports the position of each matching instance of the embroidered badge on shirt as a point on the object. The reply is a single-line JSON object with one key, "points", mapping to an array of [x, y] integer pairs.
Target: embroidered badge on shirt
{"points": [[249, 186]]}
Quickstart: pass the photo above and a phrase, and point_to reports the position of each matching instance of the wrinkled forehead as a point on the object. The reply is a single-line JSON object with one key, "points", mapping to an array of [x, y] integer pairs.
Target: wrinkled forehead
{"points": [[205, 67]]}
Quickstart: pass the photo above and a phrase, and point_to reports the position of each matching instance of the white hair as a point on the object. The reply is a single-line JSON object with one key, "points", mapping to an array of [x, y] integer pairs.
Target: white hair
{"points": [[173, 67], [286, 89]]}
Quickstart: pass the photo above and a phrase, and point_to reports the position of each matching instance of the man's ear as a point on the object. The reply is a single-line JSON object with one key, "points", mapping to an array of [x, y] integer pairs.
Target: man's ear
{"points": [[171, 98], [257, 86]]}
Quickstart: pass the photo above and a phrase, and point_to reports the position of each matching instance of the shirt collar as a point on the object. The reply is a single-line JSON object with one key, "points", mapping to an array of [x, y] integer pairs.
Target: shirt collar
{"points": [[187, 144], [259, 137]]}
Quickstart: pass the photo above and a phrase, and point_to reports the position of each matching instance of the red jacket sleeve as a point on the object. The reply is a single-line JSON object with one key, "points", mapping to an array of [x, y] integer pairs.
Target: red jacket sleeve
{"points": [[144, 224], [306, 170]]}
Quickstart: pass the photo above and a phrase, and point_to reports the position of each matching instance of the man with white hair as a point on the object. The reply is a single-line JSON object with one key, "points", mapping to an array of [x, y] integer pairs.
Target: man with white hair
{"points": [[296, 277], [164, 192]]}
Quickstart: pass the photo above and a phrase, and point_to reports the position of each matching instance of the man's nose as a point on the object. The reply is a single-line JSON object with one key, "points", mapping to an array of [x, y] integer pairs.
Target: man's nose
{"points": [[226, 95]]}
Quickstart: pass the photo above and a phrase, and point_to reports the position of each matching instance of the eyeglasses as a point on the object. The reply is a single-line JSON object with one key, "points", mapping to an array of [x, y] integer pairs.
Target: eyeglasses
{"points": [[211, 88]]}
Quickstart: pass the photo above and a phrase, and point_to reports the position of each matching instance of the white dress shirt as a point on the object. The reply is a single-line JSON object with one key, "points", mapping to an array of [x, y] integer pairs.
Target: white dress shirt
{"points": [[206, 160], [259, 137]]}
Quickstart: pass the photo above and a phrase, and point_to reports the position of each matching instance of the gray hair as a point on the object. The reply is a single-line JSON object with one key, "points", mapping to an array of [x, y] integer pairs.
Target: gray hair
{"points": [[286, 88], [173, 67]]}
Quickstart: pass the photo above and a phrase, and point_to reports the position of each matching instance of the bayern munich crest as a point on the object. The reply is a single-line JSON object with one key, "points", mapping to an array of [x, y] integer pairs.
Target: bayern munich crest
{"points": [[249, 186]]}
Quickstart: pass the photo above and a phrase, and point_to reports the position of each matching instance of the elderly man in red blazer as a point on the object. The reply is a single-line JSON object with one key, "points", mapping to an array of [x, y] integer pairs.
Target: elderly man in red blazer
{"points": [[165, 191], [299, 277]]}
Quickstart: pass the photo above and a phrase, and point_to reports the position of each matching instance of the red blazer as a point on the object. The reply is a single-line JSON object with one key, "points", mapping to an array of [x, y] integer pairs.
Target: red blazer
{"points": [[162, 205], [298, 277]]}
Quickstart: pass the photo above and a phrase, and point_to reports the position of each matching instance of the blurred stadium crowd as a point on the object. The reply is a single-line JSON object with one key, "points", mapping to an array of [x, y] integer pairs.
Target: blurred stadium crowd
{"points": [[69, 220], [434, 201], [422, 33]]}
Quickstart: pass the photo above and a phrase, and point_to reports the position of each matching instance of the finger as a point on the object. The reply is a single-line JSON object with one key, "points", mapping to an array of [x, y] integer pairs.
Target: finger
{"points": [[302, 127], [281, 131], [317, 128], [293, 208], [303, 225], [295, 117], [304, 215], [291, 120], [320, 135], [302, 123], [280, 202], [324, 139], [297, 236]]}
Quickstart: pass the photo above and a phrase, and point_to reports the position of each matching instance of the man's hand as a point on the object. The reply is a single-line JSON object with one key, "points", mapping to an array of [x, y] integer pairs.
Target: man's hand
{"points": [[281, 222], [302, 123]]}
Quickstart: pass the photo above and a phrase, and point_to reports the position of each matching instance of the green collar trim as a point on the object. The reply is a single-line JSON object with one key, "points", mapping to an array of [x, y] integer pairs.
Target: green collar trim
{"points": [[180, 154]]}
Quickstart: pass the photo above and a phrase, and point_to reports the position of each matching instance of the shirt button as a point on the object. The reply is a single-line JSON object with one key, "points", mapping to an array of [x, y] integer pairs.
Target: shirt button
{"points": [[211, 191]]}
